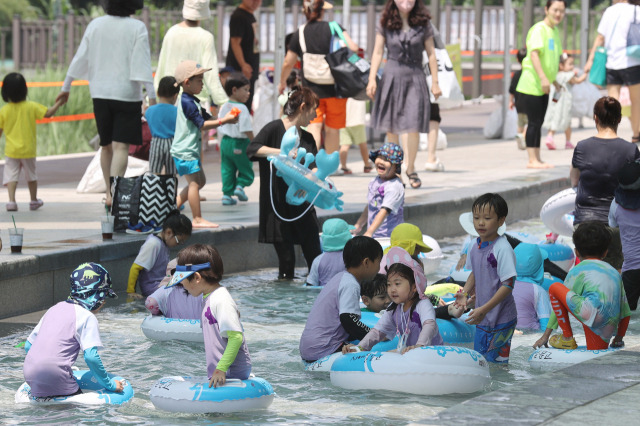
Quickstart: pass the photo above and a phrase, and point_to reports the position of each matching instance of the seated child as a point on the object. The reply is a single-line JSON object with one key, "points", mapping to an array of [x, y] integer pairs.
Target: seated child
{"points": [[200, 270], [162, 123], [374, 294], [65, 329], [411, 314], [335, 234], [532, 300], [173, 302], [335, 316], [385, 200], [149, 267], [592, 292], [493, 272]]}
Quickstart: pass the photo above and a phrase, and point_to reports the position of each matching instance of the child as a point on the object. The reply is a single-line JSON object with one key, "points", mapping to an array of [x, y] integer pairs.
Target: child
{"points": [[149, 267], [411, 314], [354, 134], [187, 142], [386, 193], [335, 234], [65, 329], [162, 123], [335, 315], [374, 294], [236, 168], [558, 116], [200, 270], [592, 292], [522, 117], [493, 272], [532, 300], [625, 214], [173, 302], [18, 122]]}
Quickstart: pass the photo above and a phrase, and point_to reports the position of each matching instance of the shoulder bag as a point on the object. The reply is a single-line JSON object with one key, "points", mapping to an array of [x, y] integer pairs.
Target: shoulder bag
{"points": [[350, 72], [314, 66]]}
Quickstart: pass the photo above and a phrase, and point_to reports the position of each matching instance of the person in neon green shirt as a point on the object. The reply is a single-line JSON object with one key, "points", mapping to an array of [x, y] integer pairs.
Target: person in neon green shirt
{"points": [[539, 69]]}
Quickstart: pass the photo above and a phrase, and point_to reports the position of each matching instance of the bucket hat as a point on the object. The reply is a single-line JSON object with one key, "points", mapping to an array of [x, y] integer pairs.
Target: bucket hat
{"points": [[335, 234], [196, 10], [408, 237], [389, 151], [530, 263], [90, 285]]}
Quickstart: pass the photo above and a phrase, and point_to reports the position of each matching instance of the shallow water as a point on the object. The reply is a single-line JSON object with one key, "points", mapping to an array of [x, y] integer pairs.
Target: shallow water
{"points": [[273, 314]]}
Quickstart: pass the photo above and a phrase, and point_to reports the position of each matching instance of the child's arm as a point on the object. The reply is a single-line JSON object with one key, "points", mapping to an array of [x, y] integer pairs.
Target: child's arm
{"points": [[477, 315], [92, 358], [353, 326], [230, 118], [377, 221], [462, 297], [373, 337], [234, 341], [134, 272], [427, 334], [577, 80], [249, 135], [51, 111], [361, 220]]}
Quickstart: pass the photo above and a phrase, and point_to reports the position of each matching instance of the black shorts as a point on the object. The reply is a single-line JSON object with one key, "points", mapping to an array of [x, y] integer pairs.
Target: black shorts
{"points": [[626, 77], [434, 113], [118, 121]]}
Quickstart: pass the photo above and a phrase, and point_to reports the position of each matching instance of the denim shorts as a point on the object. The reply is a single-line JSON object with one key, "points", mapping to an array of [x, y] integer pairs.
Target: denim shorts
{"points": [[187, 167]]}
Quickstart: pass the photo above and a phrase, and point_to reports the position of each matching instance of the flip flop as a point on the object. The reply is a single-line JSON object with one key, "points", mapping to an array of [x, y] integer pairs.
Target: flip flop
{"points": [[414, 180], [346, 171], [367, 169]]}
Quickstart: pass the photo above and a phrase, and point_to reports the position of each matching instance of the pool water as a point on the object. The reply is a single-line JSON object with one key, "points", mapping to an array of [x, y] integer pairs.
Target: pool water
{"points": [[273, 314]]}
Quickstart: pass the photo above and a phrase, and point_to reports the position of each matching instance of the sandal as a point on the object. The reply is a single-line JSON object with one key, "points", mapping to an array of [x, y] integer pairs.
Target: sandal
{"points": [[414, 180], [367, 169], [346, 171]]}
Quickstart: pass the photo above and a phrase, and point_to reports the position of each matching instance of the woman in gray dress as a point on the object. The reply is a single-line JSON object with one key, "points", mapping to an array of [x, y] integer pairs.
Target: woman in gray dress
{"points": [[401, 106]]}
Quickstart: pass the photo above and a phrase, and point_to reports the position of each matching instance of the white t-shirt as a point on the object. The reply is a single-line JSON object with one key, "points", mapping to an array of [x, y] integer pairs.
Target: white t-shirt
{"points": [[243, 125], [614, 26]]}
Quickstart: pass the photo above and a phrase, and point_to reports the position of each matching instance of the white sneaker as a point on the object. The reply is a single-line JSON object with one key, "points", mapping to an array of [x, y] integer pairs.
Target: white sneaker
{"points": [[522, 145], [434, 167]]}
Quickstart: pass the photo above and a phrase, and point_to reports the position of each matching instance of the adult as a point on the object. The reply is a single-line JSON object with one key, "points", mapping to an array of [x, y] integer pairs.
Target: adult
{"points": [[622, 70], [539, 69], [114, 56], [244, 48], [299, 110], [317, 40], [188, 41], [594, 169], [402, 107]]}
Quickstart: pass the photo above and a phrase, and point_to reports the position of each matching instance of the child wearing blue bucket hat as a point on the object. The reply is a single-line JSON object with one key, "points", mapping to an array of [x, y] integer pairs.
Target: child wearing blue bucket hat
{"points": [[67, 327], [532, 300], [335, 234], [385, 200]]}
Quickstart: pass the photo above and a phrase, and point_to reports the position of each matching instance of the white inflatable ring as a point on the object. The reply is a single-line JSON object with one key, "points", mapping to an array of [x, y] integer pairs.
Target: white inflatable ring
{"points": [[323, 364], [431, 260], [553, 359], [193, 395], [429, 370], [92, 392], [556, 212], [158, 327]]}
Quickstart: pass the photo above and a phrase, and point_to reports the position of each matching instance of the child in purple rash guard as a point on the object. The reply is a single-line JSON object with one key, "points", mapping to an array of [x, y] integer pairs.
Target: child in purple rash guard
{"points": [[173, 302]]}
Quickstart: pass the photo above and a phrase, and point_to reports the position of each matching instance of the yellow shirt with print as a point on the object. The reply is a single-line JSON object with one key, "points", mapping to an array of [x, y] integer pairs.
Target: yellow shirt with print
{"points": [[18, 124]]}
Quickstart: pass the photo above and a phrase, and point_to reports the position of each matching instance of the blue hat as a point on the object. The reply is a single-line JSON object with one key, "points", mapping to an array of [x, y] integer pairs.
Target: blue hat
{"points": [[185, 271], [335, 234], [530, 263], [90, 285], [389, 151]]}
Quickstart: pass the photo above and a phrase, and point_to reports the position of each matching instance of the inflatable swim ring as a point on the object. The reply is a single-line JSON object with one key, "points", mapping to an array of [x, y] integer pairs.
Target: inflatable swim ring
{"points": [[158, 327], [193, 395], [92, 392], [459, 275], [305, 185], [553, 359], [429, 370], [443, 290], [323, 364], [560, 254], [556, 212], [431, 260]]}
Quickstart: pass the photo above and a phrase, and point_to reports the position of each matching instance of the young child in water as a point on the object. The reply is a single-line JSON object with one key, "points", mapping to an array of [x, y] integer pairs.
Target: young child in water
{"points": [[200, 270], [374, 294], [335, 234], [411, 315], [64, 330], [173, 302]]}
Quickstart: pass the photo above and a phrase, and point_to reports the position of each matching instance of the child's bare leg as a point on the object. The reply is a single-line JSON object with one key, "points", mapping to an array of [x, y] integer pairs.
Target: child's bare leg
{"points": [[33, 190], [344, 152], [183, 196], [567, 135], [197, 182], [364, 153], [11, 188]]}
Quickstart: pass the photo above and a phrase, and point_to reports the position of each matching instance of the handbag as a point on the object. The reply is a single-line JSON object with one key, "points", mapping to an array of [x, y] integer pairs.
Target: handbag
{"points": [[598, 73], [633, 38], [314, 66], [142, 151], [350, 72], [146, 199]]}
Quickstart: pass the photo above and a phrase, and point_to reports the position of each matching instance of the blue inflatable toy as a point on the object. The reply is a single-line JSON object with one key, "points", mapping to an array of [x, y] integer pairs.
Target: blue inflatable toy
{"points": [[305, 185]]}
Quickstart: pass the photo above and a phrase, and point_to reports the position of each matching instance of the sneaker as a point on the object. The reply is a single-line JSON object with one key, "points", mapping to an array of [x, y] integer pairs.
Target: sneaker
{"points": [[35, 205], [434, 167], [568, 145], [558, 341], [156, 228], [522, 144], [12, 206], [550, 143], [139, 229], [239, 192], [228, 201]]}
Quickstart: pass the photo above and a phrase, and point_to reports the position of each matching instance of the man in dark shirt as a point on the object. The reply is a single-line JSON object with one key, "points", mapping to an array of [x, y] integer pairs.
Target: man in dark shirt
{"points": [[244, 49]]}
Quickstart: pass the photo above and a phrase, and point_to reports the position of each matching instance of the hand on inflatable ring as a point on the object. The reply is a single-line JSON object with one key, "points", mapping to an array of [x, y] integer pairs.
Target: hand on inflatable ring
{"points": [[218, 378], [119, 385]]}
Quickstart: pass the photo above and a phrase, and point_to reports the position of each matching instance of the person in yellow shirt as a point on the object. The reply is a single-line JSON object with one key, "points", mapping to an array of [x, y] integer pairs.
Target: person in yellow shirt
{"points": [[18, 123]]}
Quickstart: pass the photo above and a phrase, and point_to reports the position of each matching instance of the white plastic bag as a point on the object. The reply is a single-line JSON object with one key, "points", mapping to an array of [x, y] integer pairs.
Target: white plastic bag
{"points": [[441, 144], [585, 96], [264, 101], [452, 96], [93, 181]]}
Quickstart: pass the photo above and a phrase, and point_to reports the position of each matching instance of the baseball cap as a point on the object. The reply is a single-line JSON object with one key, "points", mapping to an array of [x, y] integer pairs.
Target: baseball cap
{"points": [[188, 69]]}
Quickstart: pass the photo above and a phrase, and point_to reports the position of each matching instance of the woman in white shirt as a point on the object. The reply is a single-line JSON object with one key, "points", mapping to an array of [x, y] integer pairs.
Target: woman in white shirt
{"points": [[114, 56], [622, 70]]}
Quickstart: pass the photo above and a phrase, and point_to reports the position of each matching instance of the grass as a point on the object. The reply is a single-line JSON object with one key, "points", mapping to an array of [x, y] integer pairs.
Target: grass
{"points": [[66, 137]]}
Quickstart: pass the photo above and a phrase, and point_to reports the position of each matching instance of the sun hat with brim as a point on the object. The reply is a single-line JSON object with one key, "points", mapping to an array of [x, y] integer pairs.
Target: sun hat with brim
{"points": [[408, 237], [466, 221], [627, 193], [390, 152], [400, 255], [335, 234], [188, 69], [185, 271], [196, 10], [530, 263]]}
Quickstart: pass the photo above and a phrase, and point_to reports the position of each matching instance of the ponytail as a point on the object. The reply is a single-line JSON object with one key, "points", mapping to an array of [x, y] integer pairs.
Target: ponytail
{"points": [[297, 97]]}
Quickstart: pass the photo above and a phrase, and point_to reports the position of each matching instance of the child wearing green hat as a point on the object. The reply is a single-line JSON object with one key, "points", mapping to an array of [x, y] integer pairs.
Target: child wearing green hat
{"points": [[335, 234]]}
